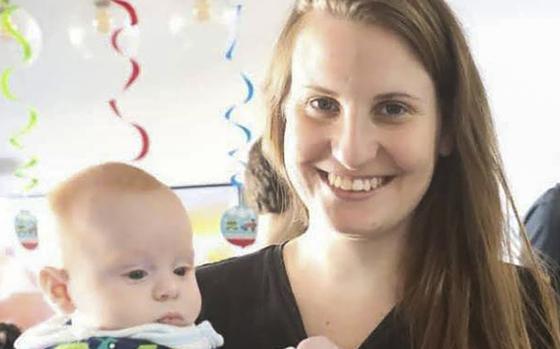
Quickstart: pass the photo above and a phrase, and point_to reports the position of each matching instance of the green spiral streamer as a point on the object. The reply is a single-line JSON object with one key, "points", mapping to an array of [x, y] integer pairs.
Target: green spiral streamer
{"points": [[7, 26]]}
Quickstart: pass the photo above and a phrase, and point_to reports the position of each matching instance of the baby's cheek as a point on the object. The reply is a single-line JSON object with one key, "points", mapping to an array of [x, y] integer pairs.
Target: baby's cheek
{"points": [[132, 308]]}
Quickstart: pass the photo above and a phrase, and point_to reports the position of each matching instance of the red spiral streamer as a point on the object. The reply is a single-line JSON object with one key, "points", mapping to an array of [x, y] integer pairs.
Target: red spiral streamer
{"points": [[129, 9], [135, 72]]}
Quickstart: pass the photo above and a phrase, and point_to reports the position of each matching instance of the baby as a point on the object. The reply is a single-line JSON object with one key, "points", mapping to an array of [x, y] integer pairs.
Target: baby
{"points": [[125, 273]]}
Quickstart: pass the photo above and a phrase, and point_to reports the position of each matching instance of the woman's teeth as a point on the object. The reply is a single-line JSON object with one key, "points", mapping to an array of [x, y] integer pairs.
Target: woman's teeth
{"points": [[359, 184]]}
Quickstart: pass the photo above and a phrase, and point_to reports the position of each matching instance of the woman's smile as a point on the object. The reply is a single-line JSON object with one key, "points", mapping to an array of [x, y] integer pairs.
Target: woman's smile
{"points": [[349, 187]]}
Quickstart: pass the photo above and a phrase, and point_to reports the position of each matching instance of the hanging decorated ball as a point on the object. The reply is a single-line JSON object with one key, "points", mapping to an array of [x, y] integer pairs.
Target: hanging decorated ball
{"points": [[26, 229], [91, 27], [201, 26], [239, 226]]}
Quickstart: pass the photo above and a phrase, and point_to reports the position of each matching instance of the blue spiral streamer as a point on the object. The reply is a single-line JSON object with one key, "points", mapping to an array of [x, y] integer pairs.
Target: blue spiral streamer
{"points": [[250, 88], [229, 51], [250, 93]]}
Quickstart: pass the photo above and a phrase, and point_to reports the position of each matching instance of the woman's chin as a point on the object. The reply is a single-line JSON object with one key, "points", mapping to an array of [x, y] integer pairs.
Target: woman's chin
{"points": [[348, 222], [356, 233], [354, 227]]}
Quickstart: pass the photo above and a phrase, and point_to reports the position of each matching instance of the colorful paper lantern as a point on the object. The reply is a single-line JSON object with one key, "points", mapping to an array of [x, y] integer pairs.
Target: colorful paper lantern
{"points": [[239, 226], [26, 229]]}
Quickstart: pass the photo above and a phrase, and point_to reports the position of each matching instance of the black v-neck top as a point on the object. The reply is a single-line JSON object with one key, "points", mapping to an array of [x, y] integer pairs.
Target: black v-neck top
{"points": [[249, 301]]}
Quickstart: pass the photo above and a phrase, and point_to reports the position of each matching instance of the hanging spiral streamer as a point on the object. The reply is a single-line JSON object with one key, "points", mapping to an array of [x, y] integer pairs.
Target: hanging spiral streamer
{"points": [[16, 140], [239, 224], [250, 92], [135, 72]]}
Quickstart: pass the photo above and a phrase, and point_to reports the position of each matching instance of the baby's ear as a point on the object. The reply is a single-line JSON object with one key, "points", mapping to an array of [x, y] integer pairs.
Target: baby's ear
{"points": [[54, 283]]}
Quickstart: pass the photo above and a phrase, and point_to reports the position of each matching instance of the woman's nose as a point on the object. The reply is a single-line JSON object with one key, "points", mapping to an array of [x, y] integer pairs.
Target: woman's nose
{"points": [[354, 140]]}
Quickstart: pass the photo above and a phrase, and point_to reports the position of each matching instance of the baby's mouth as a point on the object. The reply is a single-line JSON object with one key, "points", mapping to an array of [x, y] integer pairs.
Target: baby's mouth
{"points": [[174, 319]]}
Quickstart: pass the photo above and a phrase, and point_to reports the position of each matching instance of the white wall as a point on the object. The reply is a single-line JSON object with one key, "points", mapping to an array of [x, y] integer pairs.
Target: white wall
{"points": [[183, 91], [517, 46]]}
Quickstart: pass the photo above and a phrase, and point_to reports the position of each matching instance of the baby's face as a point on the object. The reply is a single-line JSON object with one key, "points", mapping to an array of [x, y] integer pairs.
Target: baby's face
{"points": [[134, 262]]}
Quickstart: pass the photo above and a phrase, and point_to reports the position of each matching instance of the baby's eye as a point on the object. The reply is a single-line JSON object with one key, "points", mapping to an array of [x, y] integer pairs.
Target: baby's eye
{"points": [[181, 271], [136, 274], [324, 104]]}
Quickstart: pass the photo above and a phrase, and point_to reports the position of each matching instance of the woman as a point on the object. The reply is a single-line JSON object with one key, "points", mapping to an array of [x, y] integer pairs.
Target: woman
{"points": [[379, 122]]}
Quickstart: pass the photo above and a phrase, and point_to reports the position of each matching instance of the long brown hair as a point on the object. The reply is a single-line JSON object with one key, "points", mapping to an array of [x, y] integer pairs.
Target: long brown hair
{"points": [[459, 291]]}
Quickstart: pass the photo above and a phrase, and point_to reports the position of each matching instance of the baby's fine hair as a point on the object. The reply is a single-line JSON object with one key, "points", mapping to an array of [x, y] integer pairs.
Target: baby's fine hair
{"points": [[109, 176], [83, 188]]}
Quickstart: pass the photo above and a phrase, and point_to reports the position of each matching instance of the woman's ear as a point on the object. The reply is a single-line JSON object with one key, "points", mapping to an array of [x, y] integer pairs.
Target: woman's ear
{"points": [[54, 283], [446, 145]]}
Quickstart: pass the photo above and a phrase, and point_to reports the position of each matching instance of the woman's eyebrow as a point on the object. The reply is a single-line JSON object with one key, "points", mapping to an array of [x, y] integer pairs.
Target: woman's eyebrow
{"points": [[382, 96], [321, 89], [392, 95]]}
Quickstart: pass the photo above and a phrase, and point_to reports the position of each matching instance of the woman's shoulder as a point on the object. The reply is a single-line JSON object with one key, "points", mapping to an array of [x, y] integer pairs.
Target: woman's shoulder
{"points": [[244, 293], [253, 261], [238, 273]]}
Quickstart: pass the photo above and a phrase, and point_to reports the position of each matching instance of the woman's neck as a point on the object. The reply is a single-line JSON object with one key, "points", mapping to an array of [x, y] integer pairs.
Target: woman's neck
{"points": [[335, 258], [327, 269]]}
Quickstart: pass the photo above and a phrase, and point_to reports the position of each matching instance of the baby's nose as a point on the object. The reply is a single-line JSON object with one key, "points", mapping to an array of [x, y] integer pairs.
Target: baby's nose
{"points": [[166, 289]]}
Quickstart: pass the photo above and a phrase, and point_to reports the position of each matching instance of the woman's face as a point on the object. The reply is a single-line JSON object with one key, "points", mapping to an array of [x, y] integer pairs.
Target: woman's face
{"points": [[362, 126]]}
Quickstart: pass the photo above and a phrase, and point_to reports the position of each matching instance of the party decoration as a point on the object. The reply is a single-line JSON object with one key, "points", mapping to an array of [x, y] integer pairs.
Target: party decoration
{"points": [[20, 36], [218, 11], [17, 26], [93, 72], [103, 20], [90, 37], [239, 223], [26, 229], [201, 10], [135, 69], [101, 35], [201, 26], [239, 226], [250, 91]]}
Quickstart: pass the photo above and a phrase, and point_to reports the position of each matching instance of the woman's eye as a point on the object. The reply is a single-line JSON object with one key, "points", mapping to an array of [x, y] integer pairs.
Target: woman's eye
{"points": [[181, 271], [136, 274], [324, 105], [393, 109]]}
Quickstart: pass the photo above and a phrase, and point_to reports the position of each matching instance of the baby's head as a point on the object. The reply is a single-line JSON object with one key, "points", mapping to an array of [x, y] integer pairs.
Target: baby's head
{"points": [[126, 250]]}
